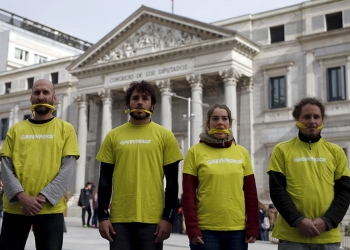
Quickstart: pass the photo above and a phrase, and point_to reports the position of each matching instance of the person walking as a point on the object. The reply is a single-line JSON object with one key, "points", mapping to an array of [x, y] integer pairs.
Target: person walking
{"points": [[38, 162], [135, 157], [94, 223], [84, 203], [220, 201], [309, 184]]}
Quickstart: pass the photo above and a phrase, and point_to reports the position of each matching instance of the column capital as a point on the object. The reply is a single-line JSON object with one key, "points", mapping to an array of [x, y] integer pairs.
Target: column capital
{"points": [[81, 99], [164, 85], [195, 80], [245, 83], [106, 95], [230, 76]]}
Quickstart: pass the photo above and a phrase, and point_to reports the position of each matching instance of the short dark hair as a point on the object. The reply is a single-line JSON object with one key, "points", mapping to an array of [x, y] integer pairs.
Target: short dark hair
{"points": [[87, 184], [308, 100], [143, 86], [211, 110]]}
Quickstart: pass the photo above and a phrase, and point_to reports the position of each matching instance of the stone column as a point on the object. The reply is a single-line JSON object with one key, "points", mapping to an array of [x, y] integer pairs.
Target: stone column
{"points": [[82, 141], [59, 109], [11, 118], [310, 75], [230, 77], [165, 113], [196, 83], [107, 102], [64, 107], [347, 77], [246, 137], [15, 114]]}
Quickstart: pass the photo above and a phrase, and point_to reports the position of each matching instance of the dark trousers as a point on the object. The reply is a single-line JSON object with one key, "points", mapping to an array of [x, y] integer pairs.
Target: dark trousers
{"points": [[48, 231], [221, 240], [94, 217], [134, 236], [83, 211]]}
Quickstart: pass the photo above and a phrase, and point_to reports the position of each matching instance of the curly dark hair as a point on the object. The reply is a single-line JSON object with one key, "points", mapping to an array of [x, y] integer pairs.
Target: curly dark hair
{"points": [[308, 100], [142, 86]]}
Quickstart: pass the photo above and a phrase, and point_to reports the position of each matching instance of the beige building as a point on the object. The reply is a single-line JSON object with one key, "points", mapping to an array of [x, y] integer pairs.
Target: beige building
{"points": [[260, 65]]}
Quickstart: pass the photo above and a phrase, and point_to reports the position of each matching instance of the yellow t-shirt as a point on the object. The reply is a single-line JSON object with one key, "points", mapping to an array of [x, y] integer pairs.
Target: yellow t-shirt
{"points": [[138, 153], [220, 196], [36, 151], [310, 176]]}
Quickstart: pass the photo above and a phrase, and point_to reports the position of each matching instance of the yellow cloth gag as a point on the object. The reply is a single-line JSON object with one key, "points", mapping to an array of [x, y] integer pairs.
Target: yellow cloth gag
{"points": [[214, 131], [300, 125], [42, 104], [135, 110]]}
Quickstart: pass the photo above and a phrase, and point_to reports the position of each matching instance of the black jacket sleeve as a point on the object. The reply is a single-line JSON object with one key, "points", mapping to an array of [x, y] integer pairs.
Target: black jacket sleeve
{"points": [[104, 190], [341, 201], [171, 172], [281, 199]]}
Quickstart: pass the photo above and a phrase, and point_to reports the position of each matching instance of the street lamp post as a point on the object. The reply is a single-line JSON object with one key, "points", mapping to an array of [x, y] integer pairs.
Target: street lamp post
{"points": [[189, 100]]}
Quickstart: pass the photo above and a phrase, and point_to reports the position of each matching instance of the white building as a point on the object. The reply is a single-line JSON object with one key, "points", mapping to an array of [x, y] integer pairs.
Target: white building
{"points": [[259, 65]]}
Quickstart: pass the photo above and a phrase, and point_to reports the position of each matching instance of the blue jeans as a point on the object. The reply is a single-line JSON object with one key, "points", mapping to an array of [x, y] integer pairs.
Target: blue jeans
{"points": [[134, 236], [48, 231], [221, 240]]}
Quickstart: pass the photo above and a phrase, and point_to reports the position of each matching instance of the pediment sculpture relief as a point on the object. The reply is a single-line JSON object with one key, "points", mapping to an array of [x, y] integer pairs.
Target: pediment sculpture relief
{"points": [[150, 38]]}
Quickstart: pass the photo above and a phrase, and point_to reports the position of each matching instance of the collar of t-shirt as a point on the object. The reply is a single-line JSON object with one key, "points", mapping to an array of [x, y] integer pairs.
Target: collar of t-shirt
{"points": [[40, 121]]}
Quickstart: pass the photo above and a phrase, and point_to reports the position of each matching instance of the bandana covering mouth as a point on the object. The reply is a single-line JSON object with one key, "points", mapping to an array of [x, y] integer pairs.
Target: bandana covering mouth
{"points": [[300, 125], [136, 110], [42, 104], [214, 131]]}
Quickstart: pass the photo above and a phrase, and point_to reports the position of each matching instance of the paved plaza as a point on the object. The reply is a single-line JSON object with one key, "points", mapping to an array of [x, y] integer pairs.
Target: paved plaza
{"points": [[79, 238]]}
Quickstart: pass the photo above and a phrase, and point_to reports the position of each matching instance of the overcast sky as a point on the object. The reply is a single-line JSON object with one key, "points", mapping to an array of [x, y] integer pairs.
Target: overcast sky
{"points": [[91, 20]]}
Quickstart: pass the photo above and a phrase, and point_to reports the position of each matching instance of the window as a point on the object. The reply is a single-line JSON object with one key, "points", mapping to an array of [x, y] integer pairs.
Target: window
{"points": [[4, 127], [39, 59], [30, 82], [336, 83], [54, 77], [21, 54], [25, 117], [334, 21], [277, 90], [7, 87], [277, 34]]}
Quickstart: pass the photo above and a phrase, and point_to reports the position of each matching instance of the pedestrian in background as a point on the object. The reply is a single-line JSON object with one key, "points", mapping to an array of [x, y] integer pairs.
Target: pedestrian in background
{"points": [[94, 220], [84, 203]]}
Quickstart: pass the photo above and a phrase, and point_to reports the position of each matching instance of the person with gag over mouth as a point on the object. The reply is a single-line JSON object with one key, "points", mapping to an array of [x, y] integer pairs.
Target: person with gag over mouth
{"points": [[220, 201], [309, 184], [135, 157], [38, 163]]}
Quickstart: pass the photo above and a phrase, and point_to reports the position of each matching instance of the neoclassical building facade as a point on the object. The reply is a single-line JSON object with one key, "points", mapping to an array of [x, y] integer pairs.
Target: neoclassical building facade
{"points": [[259, 65]]}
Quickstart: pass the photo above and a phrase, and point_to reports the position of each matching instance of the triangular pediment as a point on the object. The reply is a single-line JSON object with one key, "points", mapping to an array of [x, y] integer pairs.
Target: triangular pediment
{"points": [[148, 31], [150, 38]]}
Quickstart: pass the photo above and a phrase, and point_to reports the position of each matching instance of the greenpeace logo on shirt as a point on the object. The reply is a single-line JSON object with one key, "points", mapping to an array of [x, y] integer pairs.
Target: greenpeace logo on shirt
{"points": [[224, 160], [298, 159], [140, 141], [24, 137]]}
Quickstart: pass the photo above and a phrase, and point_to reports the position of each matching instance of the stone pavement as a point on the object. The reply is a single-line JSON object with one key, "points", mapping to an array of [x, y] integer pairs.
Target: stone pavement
{"points": [[79, 238]]}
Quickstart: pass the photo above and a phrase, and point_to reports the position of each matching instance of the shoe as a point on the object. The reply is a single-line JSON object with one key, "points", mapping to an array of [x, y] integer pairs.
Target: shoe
{"points": [[93, 226], [85, 226]]}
